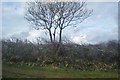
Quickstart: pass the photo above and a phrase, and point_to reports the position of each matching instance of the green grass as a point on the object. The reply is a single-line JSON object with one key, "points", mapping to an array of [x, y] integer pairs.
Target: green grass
{"points": [[17, 71]]}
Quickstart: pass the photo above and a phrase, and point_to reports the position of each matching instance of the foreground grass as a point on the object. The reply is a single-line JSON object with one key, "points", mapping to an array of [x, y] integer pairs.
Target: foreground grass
{"points": [[24, 71]]}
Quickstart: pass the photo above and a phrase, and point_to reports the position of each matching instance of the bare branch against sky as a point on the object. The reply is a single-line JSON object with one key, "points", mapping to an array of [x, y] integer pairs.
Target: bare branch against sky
{"points": [[101, 26]]}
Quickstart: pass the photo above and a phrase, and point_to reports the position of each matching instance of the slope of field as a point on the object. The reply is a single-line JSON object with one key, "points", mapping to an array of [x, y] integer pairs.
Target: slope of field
{"points": [[24, 71]]}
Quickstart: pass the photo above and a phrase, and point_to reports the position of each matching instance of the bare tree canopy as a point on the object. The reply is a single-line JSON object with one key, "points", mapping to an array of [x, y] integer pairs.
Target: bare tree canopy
{"points": [[56, 15]]}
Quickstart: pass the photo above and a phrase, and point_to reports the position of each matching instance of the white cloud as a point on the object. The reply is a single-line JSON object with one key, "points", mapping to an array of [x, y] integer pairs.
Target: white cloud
{"points": [[33, 34], [13, 8], [96, 34], [13, 21], [101, 26], [79, 38]]}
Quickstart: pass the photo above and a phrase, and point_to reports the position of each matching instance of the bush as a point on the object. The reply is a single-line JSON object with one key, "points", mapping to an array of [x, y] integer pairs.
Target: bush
{"points": [[68, 55]]}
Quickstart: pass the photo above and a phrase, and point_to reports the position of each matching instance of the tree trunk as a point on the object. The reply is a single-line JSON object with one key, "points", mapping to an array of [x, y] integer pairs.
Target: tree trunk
{"points": [[50, 34], [60, 36], [54, 33], [54, 36]]}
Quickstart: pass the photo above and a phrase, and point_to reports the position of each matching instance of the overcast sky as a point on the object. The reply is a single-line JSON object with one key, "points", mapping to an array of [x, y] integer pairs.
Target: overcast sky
{"points": [[99, 27]]}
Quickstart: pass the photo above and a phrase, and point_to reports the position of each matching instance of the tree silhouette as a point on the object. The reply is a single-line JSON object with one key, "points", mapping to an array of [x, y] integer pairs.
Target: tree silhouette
{"points": [[56, 15]]}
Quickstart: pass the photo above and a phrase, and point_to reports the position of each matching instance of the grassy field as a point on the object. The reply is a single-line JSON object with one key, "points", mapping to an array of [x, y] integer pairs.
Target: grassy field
{"points": [[24, 71]]}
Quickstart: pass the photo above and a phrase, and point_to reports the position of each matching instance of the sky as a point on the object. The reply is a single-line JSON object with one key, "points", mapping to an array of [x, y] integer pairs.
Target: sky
{"points": [[101, 26]]}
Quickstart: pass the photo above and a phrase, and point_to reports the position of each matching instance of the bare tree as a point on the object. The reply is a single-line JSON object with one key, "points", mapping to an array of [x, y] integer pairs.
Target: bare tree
{"points": [[41, 15], [70, 14], [56, 15]]}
